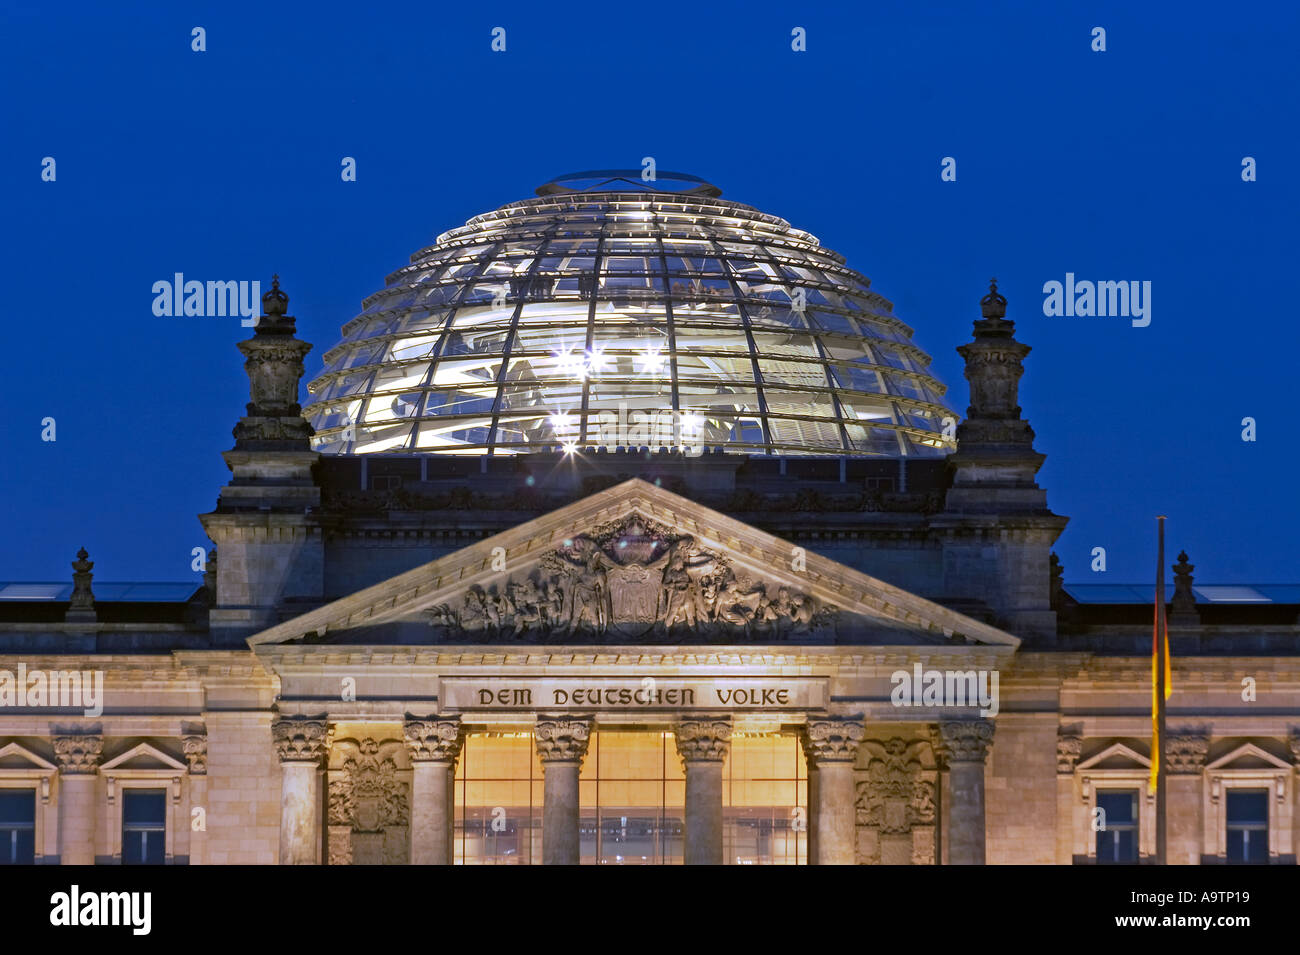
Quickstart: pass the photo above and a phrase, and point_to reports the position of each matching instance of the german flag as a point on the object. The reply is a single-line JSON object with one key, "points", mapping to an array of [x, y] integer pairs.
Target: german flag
{"points": [[1162, 680]]}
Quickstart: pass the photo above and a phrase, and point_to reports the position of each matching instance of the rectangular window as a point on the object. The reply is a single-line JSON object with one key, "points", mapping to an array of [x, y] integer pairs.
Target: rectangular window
{"points": [[17, 826], [1248, 826], [144, 827], [1117, 827]]}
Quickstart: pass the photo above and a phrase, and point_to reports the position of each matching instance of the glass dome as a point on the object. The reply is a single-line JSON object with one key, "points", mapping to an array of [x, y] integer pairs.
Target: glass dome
{"points": [[614, 312]]}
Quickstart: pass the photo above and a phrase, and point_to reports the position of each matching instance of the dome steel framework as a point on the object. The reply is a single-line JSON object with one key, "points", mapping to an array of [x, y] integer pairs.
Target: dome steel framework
{"points": [[614, 312]]}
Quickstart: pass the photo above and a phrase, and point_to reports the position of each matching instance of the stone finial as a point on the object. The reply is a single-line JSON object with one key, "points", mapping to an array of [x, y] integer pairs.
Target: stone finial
{"points": [[1056, 581], [274, 364], [833, 739], [994, 305], [562, 739], [81, 606], [703, 739], [79, 754], [274, 302], [1182, 608], [436, 739]]}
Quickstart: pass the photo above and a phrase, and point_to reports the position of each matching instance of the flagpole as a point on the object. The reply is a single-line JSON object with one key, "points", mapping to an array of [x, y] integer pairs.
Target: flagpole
{"points": [[1162, 649]]}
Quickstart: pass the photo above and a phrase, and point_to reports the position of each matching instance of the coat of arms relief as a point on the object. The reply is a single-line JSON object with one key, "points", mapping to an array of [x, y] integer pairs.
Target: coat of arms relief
{"points": [[628, 579]]}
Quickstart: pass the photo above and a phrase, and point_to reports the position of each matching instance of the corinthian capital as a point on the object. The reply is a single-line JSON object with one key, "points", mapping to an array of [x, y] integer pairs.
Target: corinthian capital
{"points": [[963, 741], [1185, 753], [78, 755], [703, 739], [833, 739], [434, 739], [300, 739], [562, 739]]}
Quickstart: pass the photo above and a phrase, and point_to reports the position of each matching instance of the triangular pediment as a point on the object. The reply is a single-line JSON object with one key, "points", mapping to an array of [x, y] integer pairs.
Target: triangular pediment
{"points": [[143, 756], [1116, 756], [629, 565], [15, 756], [1248, 756]]}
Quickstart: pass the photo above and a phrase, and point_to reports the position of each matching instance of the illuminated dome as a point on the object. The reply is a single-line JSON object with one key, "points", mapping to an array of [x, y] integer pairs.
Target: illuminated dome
{"points": [[612, 312]]}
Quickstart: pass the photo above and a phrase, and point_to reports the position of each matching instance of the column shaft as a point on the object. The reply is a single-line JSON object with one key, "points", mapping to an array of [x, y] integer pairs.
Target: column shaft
{"points": [[836, 814], [703, 812], [432, 795], [561, 746], [966, 817], [300, 802], [560, 841]]}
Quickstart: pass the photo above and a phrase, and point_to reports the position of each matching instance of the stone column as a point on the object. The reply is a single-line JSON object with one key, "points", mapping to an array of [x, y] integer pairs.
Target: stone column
{"points": [[702, 744], [195, 745], [963, 745], [832, 744], [435, 745], [1069, 747], [1186, 752], [300, 742], [561, 744], [79, 757]]}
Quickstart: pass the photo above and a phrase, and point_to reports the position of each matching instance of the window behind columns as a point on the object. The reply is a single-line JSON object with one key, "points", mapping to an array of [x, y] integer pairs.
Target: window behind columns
{"points": [[765, 801], [498, 801], [633, 795], [17, 826]]}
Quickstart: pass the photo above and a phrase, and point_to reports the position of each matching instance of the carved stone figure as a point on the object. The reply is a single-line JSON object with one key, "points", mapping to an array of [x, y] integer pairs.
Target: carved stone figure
{"points": [[620, 580], [369, 801]]}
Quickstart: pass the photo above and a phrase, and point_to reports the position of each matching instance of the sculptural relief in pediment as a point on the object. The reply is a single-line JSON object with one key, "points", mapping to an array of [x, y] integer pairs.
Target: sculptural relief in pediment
{"points": [[628, 579]]}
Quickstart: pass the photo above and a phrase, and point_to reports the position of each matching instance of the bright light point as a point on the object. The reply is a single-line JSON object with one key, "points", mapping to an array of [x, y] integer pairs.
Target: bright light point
{"points": [[561, 420], [652, 361], [596, 361], [570, 447]]}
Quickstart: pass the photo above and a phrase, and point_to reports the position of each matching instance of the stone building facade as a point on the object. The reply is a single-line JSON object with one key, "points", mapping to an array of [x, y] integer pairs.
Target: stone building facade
{"points": [[640, 655]]}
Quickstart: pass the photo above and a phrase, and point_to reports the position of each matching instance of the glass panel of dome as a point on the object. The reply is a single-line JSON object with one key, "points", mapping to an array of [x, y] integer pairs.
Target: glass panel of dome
{"points": [[805, 374], [785, 343], [469, 401], [863, 407], [857, 379], [463, 372], [790, 434]]}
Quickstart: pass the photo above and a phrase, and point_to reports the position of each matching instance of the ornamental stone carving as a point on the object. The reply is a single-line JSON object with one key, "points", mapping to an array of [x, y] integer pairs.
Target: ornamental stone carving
{"points": [[1185, 753], [1293, 741], [704, 740], [833, 739], [368, 796], [963, 741], [1068, 750], [626, 579], [434, 740], [562, 739], [897, 793], [369, 803], [300, 738], [196, 753], [78, 755]]}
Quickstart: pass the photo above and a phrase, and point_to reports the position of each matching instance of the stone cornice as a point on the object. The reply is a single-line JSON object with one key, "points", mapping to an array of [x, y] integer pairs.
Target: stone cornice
{"points": [[840, 658]]}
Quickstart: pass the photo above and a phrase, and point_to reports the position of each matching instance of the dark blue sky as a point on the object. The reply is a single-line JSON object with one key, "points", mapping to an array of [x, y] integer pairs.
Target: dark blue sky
{"points": [[225, 165]]}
